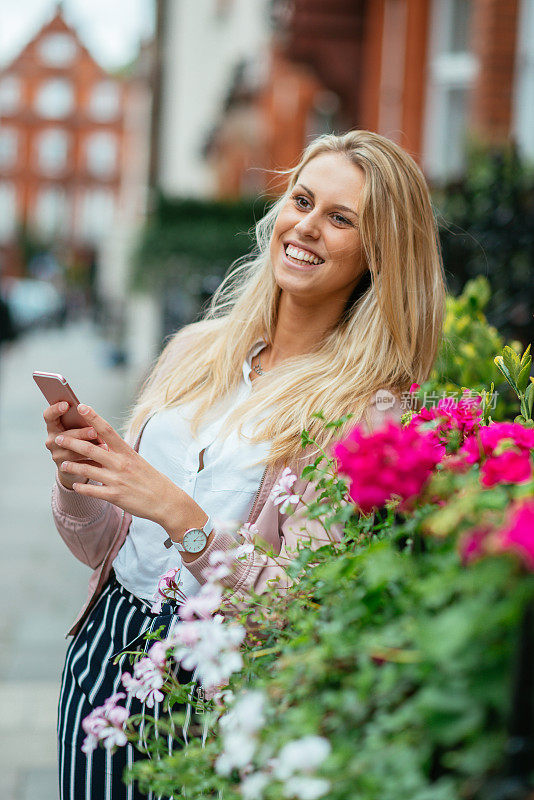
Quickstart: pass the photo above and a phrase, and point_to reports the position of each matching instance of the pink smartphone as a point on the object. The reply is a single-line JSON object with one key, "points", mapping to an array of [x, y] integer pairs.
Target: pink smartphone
{"points": [[56, 388]]}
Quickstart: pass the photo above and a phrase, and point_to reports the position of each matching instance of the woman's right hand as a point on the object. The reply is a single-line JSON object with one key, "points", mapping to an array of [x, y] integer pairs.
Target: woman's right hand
{"points": [[54, 426]]}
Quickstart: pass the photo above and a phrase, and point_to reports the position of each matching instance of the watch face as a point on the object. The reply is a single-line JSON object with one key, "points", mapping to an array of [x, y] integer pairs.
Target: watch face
{"points": [[195, 540]]}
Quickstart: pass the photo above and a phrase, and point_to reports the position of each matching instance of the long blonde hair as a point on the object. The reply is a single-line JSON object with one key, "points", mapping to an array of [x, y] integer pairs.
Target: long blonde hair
{"points": [[387, 337]]}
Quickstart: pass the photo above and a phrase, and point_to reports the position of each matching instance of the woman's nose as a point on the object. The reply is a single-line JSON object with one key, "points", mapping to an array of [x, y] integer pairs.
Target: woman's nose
{"points": [[308, 225]]}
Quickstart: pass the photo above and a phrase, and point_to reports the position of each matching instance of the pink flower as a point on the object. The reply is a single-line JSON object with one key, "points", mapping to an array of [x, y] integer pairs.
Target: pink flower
{"points": [[281, 492], [518, 535], [146, 683], [203, 604], [503, 449], [169, 588], [105, 724], [391, 461], [414, 388], [158, 654]]}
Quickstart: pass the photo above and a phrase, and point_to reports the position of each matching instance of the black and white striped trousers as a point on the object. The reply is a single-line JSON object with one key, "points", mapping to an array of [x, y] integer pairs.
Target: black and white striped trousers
{"points": [[117, 622]]}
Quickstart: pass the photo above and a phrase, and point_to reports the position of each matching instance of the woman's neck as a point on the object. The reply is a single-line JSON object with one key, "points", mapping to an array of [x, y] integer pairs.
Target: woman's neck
{"points": [[299, 329]]}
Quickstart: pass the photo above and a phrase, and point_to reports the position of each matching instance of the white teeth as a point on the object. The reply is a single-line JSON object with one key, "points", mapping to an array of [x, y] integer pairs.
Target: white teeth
{"points": [[301, 255]]}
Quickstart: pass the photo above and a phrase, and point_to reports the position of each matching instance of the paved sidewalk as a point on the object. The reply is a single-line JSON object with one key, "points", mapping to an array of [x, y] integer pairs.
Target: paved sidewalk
{"points": [[42, 584]]}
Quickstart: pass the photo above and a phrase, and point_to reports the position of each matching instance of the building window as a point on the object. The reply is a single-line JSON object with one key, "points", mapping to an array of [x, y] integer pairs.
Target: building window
{"points": [[97, 211], [8, 211], [451, 75], [51, 212], [104, 102], [10, 94], [58, 49], [55, 99], [102, 151], [53, 151], [524, 82], [8, 148]]}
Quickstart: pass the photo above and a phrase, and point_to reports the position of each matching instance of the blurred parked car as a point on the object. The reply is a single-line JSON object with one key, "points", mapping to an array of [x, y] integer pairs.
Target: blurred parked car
{"points": [[33, 303]]}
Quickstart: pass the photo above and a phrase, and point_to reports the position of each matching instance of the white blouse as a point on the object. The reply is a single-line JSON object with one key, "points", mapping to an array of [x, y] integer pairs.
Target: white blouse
{"points": [[224, 488]]}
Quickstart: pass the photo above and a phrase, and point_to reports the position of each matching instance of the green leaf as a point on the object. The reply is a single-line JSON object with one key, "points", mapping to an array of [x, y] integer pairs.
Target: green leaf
{"points": [[524, 375], [529, 398], [499, 362], [526, 355], [511, 361]]}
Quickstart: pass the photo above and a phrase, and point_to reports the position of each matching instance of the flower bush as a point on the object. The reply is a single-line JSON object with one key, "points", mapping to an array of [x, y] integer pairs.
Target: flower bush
{"points": [[387, 669]]}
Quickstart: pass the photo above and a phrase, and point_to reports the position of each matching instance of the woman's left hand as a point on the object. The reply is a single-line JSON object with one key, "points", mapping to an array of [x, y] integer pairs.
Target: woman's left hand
{"points": [[128, 481]]}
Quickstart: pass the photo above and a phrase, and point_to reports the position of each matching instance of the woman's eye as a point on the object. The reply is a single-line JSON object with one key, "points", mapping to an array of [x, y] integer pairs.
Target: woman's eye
{"points": [[340, 219], [302, 202]]}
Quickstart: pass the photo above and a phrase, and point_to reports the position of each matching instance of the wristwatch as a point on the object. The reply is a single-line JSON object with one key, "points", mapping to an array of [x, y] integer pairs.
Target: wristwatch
{"points": [[194, 540]]}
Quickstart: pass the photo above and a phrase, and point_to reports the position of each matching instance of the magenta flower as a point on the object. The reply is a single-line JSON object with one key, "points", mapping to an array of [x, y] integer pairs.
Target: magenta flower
{"points": [[472, 545], [392, 461], [462, 416], [518, 535], [105, 724], [503, 450]]}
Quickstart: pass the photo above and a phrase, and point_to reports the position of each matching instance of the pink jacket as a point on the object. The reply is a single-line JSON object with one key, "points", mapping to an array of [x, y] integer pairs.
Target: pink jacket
{"points": [[95, 530]]}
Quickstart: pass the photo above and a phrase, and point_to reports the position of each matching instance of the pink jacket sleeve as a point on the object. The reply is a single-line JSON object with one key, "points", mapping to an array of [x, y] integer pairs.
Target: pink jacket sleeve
{"points": [[87, 525]]}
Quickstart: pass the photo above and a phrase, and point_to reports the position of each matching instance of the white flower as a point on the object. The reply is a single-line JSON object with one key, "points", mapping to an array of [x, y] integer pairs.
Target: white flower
{"points": [[146, 683], [237, 754], [248, 531], [301, 755], [239, 727], [220, 566], [203, 604], [281, 492], [246, 714], [306, 788], [210, 647], [253, 785], [244, 550]]}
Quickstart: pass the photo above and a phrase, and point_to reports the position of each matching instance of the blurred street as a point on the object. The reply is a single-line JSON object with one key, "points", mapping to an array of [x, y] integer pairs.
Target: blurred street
{"points": [[42, 585]]}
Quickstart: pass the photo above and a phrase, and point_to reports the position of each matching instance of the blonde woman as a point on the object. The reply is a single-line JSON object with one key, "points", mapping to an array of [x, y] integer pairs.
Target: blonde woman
{"points": [[343, 296]]}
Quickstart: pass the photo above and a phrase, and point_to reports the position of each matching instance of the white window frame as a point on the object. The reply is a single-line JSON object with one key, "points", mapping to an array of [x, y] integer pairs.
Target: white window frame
{"points": [[523, 104], [11, 137], [448, 71]]}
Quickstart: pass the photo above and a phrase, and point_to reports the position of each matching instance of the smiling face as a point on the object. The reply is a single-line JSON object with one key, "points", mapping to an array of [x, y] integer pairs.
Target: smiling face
{"points": [[315, 249]]}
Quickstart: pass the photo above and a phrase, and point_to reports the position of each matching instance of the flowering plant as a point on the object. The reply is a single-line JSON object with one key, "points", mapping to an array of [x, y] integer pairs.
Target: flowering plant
{"points": [[385, 670]]}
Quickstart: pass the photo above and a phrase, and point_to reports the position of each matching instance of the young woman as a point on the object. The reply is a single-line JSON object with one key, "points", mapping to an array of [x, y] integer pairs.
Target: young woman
{"points": [[343, 297]]}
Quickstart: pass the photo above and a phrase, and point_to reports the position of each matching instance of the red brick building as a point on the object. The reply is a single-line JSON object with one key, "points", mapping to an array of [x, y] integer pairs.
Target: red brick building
{"points": [[61, 144], [429, 74]]}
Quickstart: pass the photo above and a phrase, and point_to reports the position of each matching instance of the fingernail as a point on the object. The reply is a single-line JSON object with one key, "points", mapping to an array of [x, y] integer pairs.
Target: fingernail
{"points": [[83, 409], [92, 433], [59, 439], [63, 406]]}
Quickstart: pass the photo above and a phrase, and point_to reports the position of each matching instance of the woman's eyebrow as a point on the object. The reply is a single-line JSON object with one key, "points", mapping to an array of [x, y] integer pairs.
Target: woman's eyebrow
{"points": [[337, 205]]}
